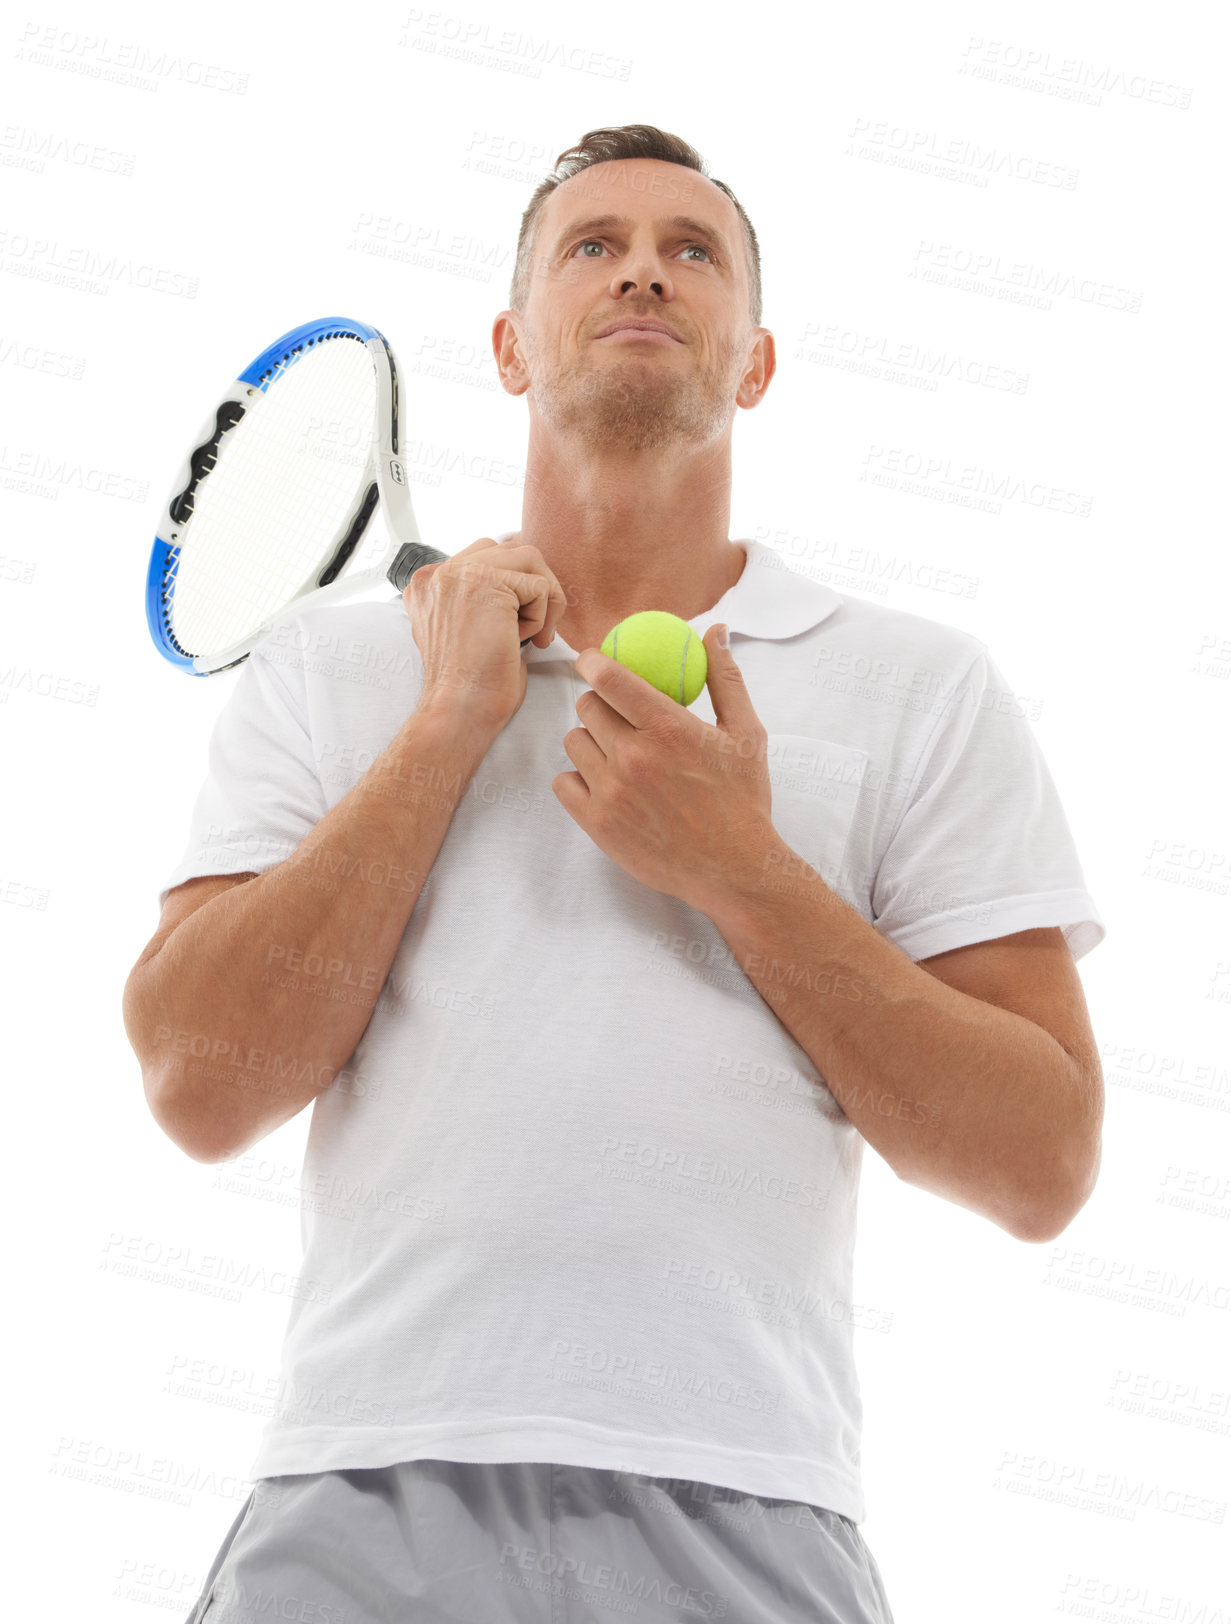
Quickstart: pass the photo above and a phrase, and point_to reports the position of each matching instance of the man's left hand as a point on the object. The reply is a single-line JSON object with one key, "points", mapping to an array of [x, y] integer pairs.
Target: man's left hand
{"points": [[682, 805]]}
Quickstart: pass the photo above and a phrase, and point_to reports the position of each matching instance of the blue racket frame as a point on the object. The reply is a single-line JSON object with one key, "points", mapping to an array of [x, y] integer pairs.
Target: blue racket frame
{"points": [[407, 552]]}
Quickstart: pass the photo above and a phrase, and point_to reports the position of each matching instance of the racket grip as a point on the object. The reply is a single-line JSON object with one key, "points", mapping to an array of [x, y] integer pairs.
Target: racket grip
{"points": [[412, 556]]}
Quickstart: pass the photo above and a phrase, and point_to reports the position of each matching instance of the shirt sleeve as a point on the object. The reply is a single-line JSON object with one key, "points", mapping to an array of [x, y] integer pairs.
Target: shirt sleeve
{"points": [[982, 847], [262, 792]]}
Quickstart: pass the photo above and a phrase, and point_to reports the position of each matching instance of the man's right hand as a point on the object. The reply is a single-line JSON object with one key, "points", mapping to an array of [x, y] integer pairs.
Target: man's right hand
{"points": [[469, 616]]}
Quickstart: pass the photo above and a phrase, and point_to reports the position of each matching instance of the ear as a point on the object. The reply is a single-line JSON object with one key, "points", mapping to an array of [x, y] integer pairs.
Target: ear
{"points": [[505, 347]]}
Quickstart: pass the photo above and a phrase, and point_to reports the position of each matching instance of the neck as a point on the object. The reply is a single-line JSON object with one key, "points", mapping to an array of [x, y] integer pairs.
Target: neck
{"points": [[631, 530]]}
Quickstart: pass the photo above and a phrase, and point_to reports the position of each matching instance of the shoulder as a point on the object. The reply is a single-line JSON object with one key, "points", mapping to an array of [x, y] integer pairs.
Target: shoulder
{"points": [[373, 632], [336, 659], [868, 632], [782, 603]]}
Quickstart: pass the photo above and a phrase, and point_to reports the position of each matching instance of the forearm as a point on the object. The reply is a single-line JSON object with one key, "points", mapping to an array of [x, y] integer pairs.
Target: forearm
{"points": [[258, 998], [960, 1097]]}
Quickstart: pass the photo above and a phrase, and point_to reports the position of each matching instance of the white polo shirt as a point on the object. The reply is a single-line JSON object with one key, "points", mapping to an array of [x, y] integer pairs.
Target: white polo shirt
{"points": [[578, 1195]]}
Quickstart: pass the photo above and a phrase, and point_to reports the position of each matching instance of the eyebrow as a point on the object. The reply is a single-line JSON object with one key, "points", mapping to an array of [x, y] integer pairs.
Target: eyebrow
{"points": [[677, 222]]}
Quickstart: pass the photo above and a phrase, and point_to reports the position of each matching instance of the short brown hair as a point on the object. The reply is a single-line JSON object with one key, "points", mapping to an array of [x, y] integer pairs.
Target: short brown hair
{"points": [[605, 146]]}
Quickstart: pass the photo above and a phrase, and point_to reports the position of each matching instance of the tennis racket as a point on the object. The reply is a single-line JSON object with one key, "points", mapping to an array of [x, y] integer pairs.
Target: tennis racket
{"points": [[272, 507]]}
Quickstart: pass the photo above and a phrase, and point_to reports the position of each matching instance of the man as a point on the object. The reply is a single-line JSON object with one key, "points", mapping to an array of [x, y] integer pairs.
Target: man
{"points": [[594, 1051]]}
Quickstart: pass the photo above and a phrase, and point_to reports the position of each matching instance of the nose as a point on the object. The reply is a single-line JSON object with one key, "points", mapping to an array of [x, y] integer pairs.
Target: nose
{"points": [[656, 285], [643, 269]]}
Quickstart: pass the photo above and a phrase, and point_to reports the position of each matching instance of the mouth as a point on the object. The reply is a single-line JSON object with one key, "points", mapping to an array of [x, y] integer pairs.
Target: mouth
{"points": [[654, 332]]}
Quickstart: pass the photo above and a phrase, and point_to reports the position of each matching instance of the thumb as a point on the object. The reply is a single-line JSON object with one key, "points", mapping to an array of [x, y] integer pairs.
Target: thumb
{"points": [[725, 680]]}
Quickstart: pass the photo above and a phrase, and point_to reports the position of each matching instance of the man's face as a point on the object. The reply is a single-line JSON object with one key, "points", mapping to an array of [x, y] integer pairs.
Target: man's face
{"points": [[610, 247]]}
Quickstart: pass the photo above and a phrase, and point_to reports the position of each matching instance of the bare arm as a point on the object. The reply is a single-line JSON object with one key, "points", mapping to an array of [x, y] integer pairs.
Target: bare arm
{"points": [[248, 1001], [975, 1074], [246, 1004]]}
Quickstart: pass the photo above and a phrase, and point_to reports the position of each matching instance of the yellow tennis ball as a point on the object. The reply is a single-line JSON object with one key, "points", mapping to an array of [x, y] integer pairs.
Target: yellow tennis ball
{"points": [[663, 649]]}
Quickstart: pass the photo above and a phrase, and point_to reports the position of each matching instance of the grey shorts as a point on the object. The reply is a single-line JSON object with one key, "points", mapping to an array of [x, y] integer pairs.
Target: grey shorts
{"points": [[452, 1542]]}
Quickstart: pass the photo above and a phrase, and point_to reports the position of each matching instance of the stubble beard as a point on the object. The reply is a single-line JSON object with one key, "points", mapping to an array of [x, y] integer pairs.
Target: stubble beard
{"points": [[639, 404]]}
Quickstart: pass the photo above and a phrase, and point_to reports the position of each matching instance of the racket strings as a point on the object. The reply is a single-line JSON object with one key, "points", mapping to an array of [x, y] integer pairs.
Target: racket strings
{"points": [[286, 482]]}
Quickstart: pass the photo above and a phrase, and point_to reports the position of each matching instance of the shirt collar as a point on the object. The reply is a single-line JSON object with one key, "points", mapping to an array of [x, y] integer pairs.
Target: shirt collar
{"points": [[769, 600]]}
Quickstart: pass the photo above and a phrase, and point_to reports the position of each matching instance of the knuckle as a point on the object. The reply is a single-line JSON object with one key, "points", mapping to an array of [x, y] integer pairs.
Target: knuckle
{"points": [[667, 732]]}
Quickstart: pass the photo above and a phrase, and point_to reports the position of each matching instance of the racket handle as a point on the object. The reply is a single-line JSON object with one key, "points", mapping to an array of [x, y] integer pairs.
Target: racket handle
{"points": [[412, 556]]}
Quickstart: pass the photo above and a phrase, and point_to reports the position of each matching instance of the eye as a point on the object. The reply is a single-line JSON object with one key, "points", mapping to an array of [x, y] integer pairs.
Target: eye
{"points": [[596, 243]]}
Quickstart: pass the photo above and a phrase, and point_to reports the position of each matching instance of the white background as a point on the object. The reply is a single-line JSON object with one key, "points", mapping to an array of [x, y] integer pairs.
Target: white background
{"points": [[155, 235]]}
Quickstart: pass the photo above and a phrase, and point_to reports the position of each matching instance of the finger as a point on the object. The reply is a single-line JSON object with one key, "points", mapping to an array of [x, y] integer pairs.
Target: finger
{"points": [[423, 570], [584, 752], [733, 708], [535, 613], [604, 724], [542, 603], [545, 595], [557, 606], [573, 794], [532, 601], [629, 695]]}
